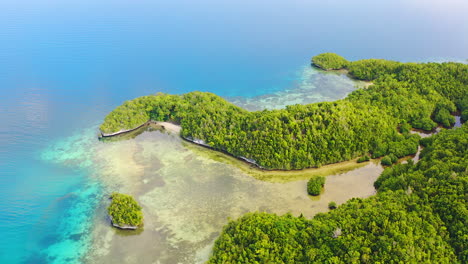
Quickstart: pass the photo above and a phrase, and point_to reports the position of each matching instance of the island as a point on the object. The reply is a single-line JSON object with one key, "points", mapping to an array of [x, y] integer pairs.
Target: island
{"points": [[329, 61], [124, 212], [420, 211], [375, 121], [315, 185]]}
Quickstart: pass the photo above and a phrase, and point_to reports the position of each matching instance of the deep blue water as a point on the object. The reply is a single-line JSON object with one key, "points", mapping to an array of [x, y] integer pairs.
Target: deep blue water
{"points": [[65, 64]]}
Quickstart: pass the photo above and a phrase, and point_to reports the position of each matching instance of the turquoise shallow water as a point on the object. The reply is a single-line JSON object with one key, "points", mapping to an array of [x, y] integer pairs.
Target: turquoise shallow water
{"points": [[64, 65]]}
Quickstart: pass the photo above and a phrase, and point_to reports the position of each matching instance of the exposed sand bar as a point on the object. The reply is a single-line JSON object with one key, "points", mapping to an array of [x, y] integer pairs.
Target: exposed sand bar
{"points": [[169, 127]]}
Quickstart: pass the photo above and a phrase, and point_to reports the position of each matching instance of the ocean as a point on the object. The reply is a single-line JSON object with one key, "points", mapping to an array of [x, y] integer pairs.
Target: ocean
{"points": [[65, 64]]}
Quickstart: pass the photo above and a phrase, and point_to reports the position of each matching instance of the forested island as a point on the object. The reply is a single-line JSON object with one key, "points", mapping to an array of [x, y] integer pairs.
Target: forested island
{"points": [[419, 214], [124, 212], [374, 121]]}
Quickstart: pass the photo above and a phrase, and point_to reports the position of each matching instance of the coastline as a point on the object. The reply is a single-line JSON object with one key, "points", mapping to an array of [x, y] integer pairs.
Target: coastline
{"points": [[122, 227], [249, 166], [187, 197], [345, 71], [313, 85], [202, 143], [255, 170], [165, 125], [175, 128], [279, 176]]}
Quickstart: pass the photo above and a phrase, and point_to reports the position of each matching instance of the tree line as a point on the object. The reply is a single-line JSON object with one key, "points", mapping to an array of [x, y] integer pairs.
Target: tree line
{"points": [[419, 215], [373, 121]]}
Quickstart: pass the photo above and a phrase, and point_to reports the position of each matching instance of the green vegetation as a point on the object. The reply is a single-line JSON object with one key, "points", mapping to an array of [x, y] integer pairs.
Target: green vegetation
{"points": [[389, 228], [462, 105], [389, 160], [278, 176], [372, 69], [331, 205], [419, 215], [464, 115], [125, 211], [374, 121], [386, 161], [329, 61], [315, 185], [363, 159], [440, 179]]}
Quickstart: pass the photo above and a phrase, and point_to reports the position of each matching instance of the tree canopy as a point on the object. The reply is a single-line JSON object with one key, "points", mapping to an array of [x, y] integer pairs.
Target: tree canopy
{"points": [[440, 179], [367, 122], [419, 215], [125, 211], [329, 61], [315, 185]]}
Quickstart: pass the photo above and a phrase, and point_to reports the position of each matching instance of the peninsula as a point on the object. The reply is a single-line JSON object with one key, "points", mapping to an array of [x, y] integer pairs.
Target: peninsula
{"points": [[419, 214], [374, 121]]}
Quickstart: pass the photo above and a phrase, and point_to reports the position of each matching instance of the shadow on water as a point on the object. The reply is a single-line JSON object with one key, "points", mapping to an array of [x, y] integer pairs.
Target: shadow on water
{"points": [[125, 233]]}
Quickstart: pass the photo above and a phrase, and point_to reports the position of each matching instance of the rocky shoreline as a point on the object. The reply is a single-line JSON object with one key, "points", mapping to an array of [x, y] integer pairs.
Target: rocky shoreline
{"points": [[123, 227], [123, 131], [176, 129], [165, 125]]}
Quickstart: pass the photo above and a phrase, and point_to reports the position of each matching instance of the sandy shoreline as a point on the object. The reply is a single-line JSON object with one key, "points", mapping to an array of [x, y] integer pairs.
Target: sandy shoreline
{"points": [[165, 125]]}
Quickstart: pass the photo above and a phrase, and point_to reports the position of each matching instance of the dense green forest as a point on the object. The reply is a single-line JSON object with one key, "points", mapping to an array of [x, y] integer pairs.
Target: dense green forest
{"points": [[329, 61], [125, 211], [439, 179], [419, 215], [374, 121]]}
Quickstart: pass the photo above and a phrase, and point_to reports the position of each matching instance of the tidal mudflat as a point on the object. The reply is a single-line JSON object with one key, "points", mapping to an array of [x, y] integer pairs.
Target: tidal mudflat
{"points": [[187, 197]]}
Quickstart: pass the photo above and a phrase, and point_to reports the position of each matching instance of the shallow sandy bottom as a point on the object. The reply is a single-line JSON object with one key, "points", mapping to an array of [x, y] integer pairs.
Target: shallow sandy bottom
{"points": [[187, 198], [311, 85]]}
